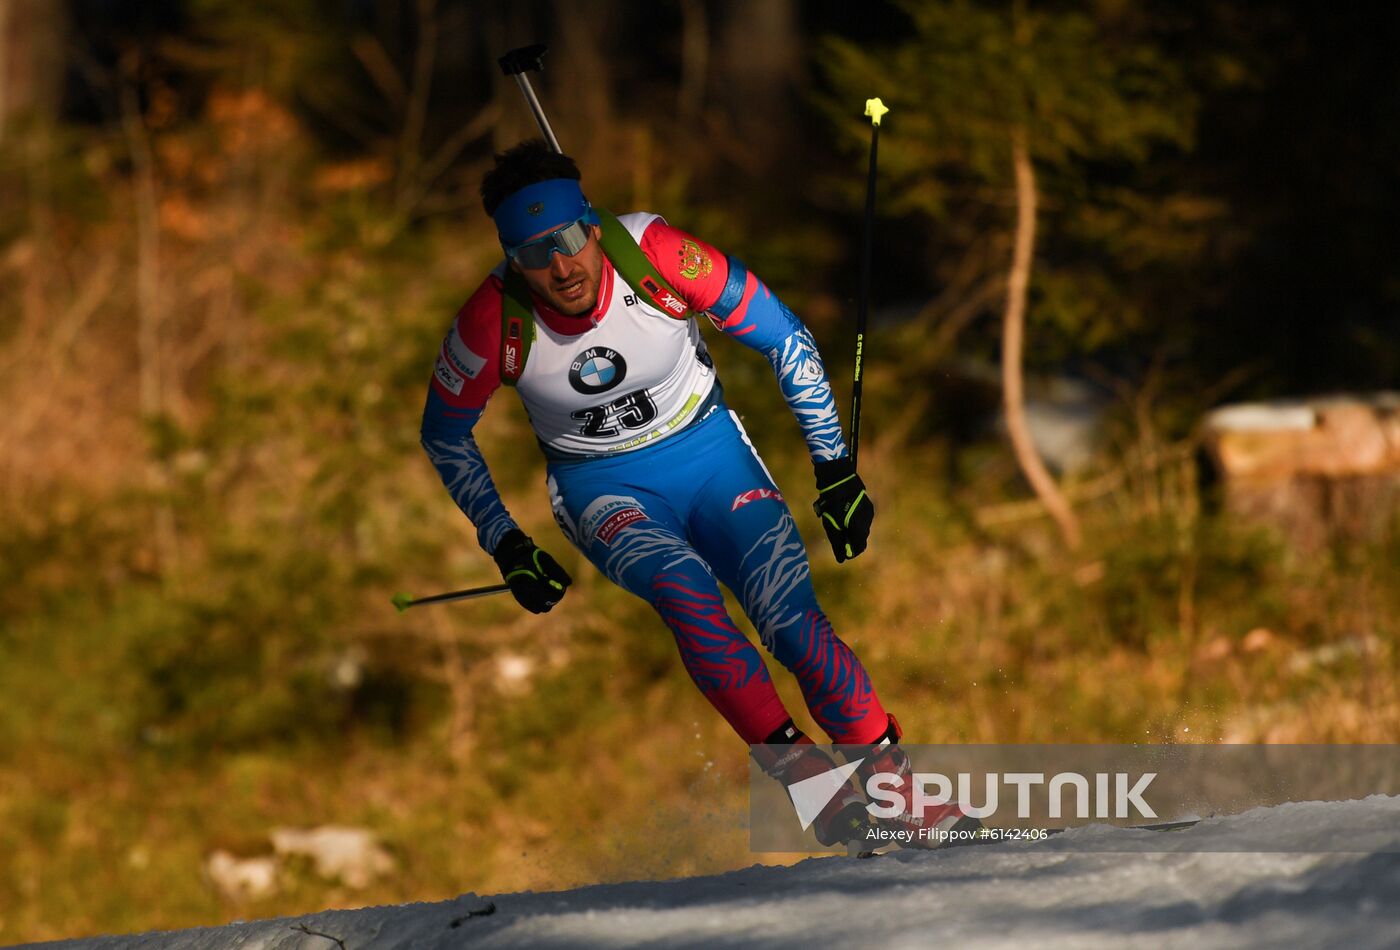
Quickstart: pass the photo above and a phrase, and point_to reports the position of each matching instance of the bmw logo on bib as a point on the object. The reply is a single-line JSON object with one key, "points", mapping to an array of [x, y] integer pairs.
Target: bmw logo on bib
{"points": [[597, 370]]}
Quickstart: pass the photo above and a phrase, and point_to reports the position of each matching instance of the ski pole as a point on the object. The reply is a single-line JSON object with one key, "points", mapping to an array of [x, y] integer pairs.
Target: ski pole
{"points": [[875, 109], [517, 63], [402, 601]]}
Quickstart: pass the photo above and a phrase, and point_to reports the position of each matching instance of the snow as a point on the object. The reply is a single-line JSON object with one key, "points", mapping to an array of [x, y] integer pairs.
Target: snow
{"points": [[1337, 884]]}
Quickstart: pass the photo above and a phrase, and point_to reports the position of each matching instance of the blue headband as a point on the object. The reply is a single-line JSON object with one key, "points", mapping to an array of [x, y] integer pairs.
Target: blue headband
{"points": [[543, 206]]}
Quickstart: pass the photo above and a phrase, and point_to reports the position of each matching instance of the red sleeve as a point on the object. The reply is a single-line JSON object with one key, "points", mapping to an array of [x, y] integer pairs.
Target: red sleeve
{"points": [[693, 268], [468, 365]]}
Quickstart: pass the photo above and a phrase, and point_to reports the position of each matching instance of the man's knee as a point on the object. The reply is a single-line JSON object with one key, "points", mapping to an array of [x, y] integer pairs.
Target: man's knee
{"points": [[795, 637], [687, 593]]}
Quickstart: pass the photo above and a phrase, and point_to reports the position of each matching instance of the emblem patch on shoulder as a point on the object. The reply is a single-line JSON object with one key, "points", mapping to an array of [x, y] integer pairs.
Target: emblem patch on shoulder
{"points": [[695, 262]]}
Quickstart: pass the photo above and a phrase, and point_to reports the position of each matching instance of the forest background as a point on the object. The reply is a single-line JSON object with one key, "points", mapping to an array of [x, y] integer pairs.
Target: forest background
{"points": [[232, 235]]}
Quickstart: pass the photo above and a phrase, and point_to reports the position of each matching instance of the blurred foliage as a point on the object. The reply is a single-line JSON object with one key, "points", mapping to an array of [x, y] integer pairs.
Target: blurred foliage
{"points": [[1103, 111], [199, 537]]}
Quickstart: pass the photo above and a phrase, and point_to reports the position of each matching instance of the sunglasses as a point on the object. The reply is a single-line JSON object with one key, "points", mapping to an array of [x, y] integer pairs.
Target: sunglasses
{"points": [[568, 240]]}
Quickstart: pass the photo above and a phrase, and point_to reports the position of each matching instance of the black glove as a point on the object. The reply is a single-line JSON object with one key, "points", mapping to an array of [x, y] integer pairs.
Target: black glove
{"points": [[843, 506], [535, 578]]}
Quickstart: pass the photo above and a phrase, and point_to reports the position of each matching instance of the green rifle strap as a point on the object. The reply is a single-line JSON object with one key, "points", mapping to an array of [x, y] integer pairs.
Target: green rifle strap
{"points": [[637, 270], [631, 264]]}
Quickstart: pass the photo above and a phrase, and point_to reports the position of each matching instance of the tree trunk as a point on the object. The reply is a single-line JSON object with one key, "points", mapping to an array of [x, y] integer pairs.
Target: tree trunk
{"points": [[579, 93], [420, 89], [150, 315], [1013, 332], [504, 27], [695, 60], [32, 34], [758, 62]]}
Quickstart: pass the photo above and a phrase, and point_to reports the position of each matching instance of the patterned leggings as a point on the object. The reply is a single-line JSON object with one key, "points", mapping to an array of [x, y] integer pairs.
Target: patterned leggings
{"points": [[669, 523]]}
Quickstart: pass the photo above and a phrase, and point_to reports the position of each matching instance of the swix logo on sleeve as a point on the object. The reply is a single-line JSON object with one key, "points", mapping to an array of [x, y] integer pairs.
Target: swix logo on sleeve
{"points": [[663, 298], [754, 494]]}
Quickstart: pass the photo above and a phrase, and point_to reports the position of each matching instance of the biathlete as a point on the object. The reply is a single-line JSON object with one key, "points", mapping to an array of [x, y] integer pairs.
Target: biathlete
{"points": [[592, 320]]}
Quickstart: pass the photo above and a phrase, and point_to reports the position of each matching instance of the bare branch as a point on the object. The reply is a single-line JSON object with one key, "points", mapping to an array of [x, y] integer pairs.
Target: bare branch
{"points": [[447, 153], [316, 933], [1013, 386], [411, 139], [486, 911], [348, 123], [373, 57]]}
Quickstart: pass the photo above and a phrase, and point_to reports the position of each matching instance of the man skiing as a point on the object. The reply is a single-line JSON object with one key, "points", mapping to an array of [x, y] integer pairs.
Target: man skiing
{"points": [[592, 319]]}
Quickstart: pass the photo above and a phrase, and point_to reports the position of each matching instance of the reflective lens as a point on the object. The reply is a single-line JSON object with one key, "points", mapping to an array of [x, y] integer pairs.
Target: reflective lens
{"points": [[568, 240]]}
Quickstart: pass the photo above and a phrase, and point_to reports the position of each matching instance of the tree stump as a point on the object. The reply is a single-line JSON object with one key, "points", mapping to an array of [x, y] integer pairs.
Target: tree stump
{"points": [[1322, 470]]}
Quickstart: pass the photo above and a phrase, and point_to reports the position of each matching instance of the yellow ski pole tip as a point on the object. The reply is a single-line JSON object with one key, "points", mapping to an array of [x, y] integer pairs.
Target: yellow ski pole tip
{"points": [[875, 109], [401, 601]]}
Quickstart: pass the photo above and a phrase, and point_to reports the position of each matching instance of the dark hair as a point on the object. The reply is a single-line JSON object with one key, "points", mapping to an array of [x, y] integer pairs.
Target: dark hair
{"points": [[525, 164]]}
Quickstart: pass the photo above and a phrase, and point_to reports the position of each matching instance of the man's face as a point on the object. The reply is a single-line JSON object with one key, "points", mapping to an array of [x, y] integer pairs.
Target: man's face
{"points": [[568, 284]]}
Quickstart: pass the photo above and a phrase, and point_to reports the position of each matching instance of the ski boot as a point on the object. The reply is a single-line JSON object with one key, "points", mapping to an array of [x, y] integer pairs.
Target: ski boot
{"points": [[843, 820], [938, 826]]}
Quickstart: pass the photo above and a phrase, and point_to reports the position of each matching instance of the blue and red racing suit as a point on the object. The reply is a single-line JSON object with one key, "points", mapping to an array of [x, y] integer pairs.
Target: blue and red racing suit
{"points": [[654, 479]]}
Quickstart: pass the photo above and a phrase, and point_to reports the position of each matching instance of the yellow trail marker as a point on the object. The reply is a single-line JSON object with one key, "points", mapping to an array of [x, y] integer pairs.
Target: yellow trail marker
{"points": [[875, 108]]}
